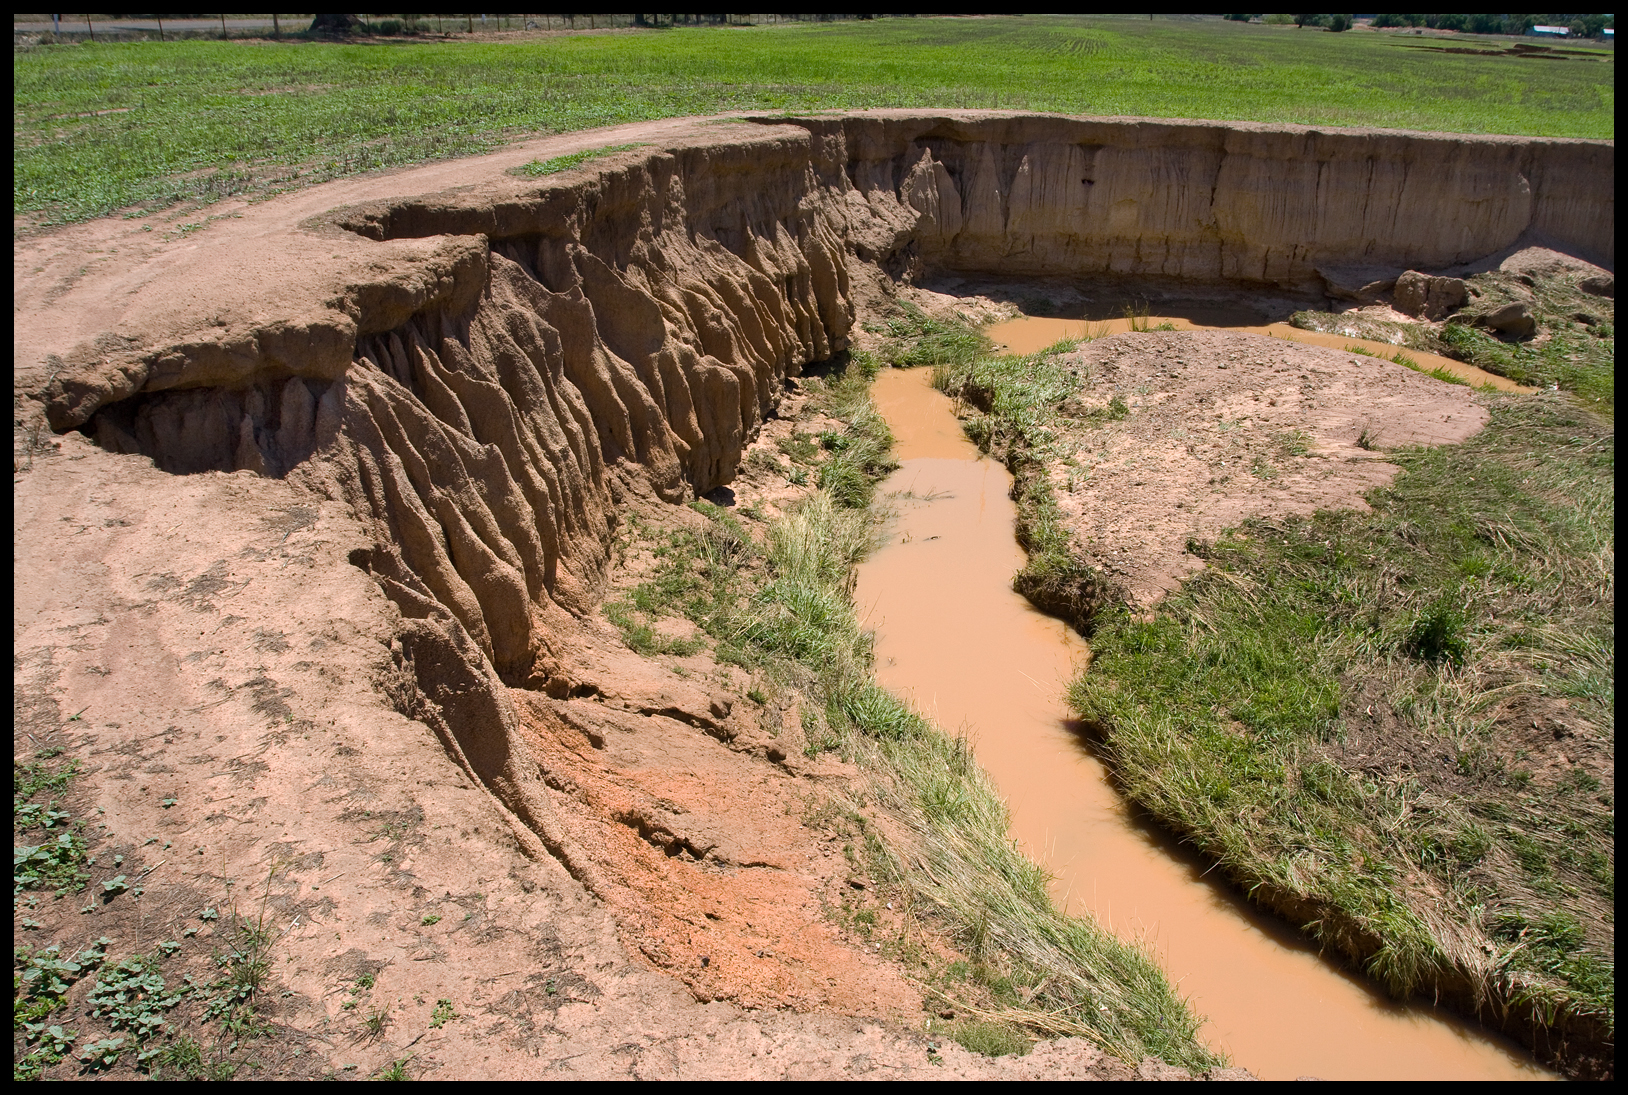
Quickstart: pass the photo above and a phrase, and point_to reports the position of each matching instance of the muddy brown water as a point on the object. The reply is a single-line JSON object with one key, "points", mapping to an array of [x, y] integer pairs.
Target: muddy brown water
{"points": [[1031, 334], [953, 637]]}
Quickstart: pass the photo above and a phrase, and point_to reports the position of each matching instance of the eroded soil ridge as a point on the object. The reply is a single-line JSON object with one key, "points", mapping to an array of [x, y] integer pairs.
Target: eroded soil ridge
{"points": [[475, 379]]}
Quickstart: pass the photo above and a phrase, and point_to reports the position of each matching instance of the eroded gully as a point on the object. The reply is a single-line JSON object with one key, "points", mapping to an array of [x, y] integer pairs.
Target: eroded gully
{"points": [[953, 637]]}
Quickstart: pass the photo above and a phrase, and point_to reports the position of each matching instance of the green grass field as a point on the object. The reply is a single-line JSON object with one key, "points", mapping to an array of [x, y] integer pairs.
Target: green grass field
{"points": [[101, 128]]}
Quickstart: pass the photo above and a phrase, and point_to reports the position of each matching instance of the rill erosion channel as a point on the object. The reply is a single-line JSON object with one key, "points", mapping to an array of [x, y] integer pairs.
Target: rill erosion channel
{"points": [[568, 626]]}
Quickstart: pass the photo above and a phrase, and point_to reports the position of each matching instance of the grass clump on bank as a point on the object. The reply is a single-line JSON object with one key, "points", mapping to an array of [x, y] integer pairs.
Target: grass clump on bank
{"points": [[1440, 372], [1397, 727], [783, 608], [558, 164]]}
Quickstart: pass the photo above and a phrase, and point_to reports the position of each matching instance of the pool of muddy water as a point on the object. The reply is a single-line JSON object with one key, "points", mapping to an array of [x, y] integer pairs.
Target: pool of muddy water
{"points": [[953, 637]]}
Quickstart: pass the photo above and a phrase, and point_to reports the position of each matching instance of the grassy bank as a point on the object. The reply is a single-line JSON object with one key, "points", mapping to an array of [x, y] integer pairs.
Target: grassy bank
{"points": [[104, 127], [779, 605], [1396, 727]]}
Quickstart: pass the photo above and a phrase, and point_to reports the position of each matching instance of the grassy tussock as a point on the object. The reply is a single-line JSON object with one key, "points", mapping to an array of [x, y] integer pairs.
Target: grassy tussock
{"points": [[565, 163]]}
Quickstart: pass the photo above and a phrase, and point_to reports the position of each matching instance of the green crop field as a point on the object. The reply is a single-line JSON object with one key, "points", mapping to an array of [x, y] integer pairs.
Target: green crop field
{"points": [[100, 128]]}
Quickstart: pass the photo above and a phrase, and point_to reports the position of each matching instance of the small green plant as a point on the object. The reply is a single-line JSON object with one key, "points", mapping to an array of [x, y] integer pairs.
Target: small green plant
{"points": [[50, 1044], [103, 1053], [431, 919], [133, 996], [1437, 635], [58, 864], [183, 1055], [990, 1039], [1295, 442], [800, 447], [376, 1020], [396, 1071], [442, 1015], [576, 159]]}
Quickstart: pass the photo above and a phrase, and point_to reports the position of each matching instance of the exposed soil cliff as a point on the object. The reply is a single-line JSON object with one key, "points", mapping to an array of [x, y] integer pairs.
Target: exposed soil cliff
{"points": [[484, 369], [523, 346]]}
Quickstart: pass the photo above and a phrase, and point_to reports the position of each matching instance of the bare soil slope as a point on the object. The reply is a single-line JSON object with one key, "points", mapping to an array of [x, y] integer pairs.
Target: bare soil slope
{"points": [[316, 611]]}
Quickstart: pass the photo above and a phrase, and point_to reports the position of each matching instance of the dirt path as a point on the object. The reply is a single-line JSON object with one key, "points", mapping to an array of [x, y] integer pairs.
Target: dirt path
{"points": [[207, 271]]}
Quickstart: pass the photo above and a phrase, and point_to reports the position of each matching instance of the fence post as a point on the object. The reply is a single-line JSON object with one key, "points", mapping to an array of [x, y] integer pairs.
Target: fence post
{"points": [[90, 28]]}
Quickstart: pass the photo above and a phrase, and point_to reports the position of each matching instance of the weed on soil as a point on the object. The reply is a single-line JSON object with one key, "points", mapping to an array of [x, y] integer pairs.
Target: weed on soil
{"points": [[109, 980]]}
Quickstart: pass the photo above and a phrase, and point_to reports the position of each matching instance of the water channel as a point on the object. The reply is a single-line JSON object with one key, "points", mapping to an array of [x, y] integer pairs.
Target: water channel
{"points": [[953, 637]]}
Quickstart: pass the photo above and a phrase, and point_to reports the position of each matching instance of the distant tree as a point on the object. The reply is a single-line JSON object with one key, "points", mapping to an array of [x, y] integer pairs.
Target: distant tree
{"points": [[1338, 23], [1593, 25], [1452, 21], [1383, 21], [1310, 20], [335, 24], [1241, 18], [1485, 24]]}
